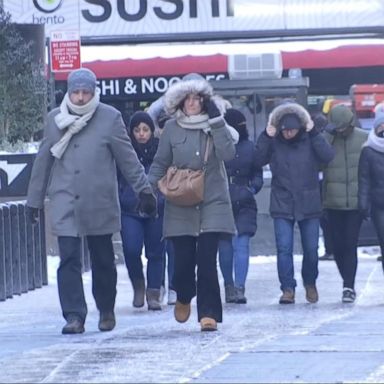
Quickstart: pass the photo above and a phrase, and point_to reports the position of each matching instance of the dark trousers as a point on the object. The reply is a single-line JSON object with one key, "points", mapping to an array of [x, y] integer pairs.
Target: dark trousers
{"points": [[324, 223], [169, 253], [200, 252], [69, 275], [378, 221], [345, 228]]}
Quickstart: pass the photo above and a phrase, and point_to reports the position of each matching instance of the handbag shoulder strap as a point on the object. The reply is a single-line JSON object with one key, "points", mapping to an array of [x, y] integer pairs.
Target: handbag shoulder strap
{"points": [[207, 150]]}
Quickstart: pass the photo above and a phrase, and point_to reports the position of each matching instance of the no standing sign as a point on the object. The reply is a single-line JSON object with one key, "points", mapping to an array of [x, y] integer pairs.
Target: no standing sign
{"points": [[65, 51]]}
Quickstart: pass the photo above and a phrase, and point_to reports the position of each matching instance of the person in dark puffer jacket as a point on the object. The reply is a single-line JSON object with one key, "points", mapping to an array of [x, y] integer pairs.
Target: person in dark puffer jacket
{"points": [[137, 230], [371, 179], [245, 180], [295, 151]]}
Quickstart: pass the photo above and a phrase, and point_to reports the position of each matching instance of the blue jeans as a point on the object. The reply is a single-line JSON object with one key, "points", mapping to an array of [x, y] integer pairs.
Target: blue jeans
{"points": [[309, 231], [234, 256], [137, 232]]}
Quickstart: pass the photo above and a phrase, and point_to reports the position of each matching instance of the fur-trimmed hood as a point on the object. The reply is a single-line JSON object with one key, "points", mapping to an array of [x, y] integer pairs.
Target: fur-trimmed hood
{"points": [[283, 109], [180, 90]]}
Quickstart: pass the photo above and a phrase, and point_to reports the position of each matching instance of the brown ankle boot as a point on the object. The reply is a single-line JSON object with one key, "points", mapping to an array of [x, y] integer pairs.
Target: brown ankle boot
{"points": [[182, 311], [288, 297], [208, 324], [311, 293]]}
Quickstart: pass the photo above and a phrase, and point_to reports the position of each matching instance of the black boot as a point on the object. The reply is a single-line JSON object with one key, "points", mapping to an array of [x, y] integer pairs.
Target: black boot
{"points": [[153, 299], [107, 321], [230, 293], [138, 293], [74, 325], [240, 298]]}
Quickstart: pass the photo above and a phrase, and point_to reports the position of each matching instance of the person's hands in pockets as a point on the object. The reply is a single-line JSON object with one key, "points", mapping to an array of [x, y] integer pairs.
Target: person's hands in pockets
{"points": [[147, 203]]}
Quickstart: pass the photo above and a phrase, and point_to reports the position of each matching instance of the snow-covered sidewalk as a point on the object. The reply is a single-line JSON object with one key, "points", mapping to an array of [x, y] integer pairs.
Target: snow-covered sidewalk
{"points": [[261, 341]]}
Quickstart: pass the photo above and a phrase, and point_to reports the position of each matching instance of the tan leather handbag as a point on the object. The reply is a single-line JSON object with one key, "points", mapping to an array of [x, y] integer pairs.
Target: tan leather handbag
{"points": [[184, 187]]}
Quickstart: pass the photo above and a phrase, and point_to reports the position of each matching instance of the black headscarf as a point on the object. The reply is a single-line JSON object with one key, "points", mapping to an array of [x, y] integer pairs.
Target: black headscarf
{"points": [[145, 152]]}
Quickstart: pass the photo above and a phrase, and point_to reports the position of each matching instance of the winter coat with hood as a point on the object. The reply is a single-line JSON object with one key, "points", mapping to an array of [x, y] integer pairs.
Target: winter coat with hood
{"points": [[340, 182], [294, 164], [184, 147], [371, 174], [82, 184], [244, 178]]}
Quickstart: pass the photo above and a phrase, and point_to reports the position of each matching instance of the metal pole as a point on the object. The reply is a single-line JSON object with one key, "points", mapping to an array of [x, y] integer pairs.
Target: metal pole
{"points": [[51, 79]]}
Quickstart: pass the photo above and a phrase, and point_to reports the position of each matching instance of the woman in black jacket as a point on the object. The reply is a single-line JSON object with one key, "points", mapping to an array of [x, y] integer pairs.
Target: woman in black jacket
{"points": [[371, 179], [138, 231], [245, 180]]}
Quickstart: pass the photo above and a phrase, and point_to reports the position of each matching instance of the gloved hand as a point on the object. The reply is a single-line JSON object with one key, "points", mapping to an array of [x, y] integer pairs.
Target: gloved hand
{"points": [[271, 130], [147, 203], [312, 129], [310, 125], [32, 214], [364, 213], [211, 108]]}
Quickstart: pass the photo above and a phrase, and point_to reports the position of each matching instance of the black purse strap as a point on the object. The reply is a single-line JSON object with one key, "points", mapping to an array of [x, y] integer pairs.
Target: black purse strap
{"points": [[207, 150]]}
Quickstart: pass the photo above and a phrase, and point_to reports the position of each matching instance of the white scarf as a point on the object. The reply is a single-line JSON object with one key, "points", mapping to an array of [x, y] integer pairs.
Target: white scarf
{"points": [[201, 122], [75, 122], [375, 142], [194, 121]]}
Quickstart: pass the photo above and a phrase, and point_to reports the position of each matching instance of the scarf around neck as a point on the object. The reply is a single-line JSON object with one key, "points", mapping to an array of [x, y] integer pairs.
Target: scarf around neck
{"points": [[193, 122], [145, 151], [75, 118], [375, 142]]}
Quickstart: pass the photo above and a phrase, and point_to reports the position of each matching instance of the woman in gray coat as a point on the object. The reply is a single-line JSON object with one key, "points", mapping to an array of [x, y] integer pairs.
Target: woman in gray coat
{"points": [[195, 230]]}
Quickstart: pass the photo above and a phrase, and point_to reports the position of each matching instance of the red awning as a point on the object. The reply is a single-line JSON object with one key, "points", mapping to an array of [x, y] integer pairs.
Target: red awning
{"points": [[340, 57], [157, 66]]}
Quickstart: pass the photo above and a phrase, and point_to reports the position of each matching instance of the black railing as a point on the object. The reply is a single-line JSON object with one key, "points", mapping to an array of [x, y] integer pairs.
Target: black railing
{"points": [[23, 257]]}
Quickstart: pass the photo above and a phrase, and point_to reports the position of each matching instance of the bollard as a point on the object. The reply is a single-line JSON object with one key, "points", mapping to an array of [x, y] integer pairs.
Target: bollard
{"points": [[3, 294], [38, 276], [15, 249], [23, 248], [30, 256], [7, 252]]}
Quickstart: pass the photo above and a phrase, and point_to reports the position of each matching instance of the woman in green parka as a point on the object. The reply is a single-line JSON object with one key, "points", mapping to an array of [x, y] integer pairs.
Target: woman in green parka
{"points": [[340, 190]]}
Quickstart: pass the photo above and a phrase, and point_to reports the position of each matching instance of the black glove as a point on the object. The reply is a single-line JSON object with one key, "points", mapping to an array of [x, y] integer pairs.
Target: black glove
{"points": [[32, 214], [147, 204], [211, 108], [364, 213]]}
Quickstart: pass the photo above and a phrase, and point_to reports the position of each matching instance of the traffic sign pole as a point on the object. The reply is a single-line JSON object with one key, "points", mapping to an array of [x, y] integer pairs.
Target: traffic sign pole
{"points": [[51, 79]]}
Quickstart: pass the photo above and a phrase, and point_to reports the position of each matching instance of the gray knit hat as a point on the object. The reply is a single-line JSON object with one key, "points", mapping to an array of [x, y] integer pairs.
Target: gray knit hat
{"points": [[82, 78]]}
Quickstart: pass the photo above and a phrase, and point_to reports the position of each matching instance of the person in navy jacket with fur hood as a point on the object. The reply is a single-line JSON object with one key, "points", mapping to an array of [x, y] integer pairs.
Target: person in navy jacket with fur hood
{"points": [[295, 151], [245, 179]]}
